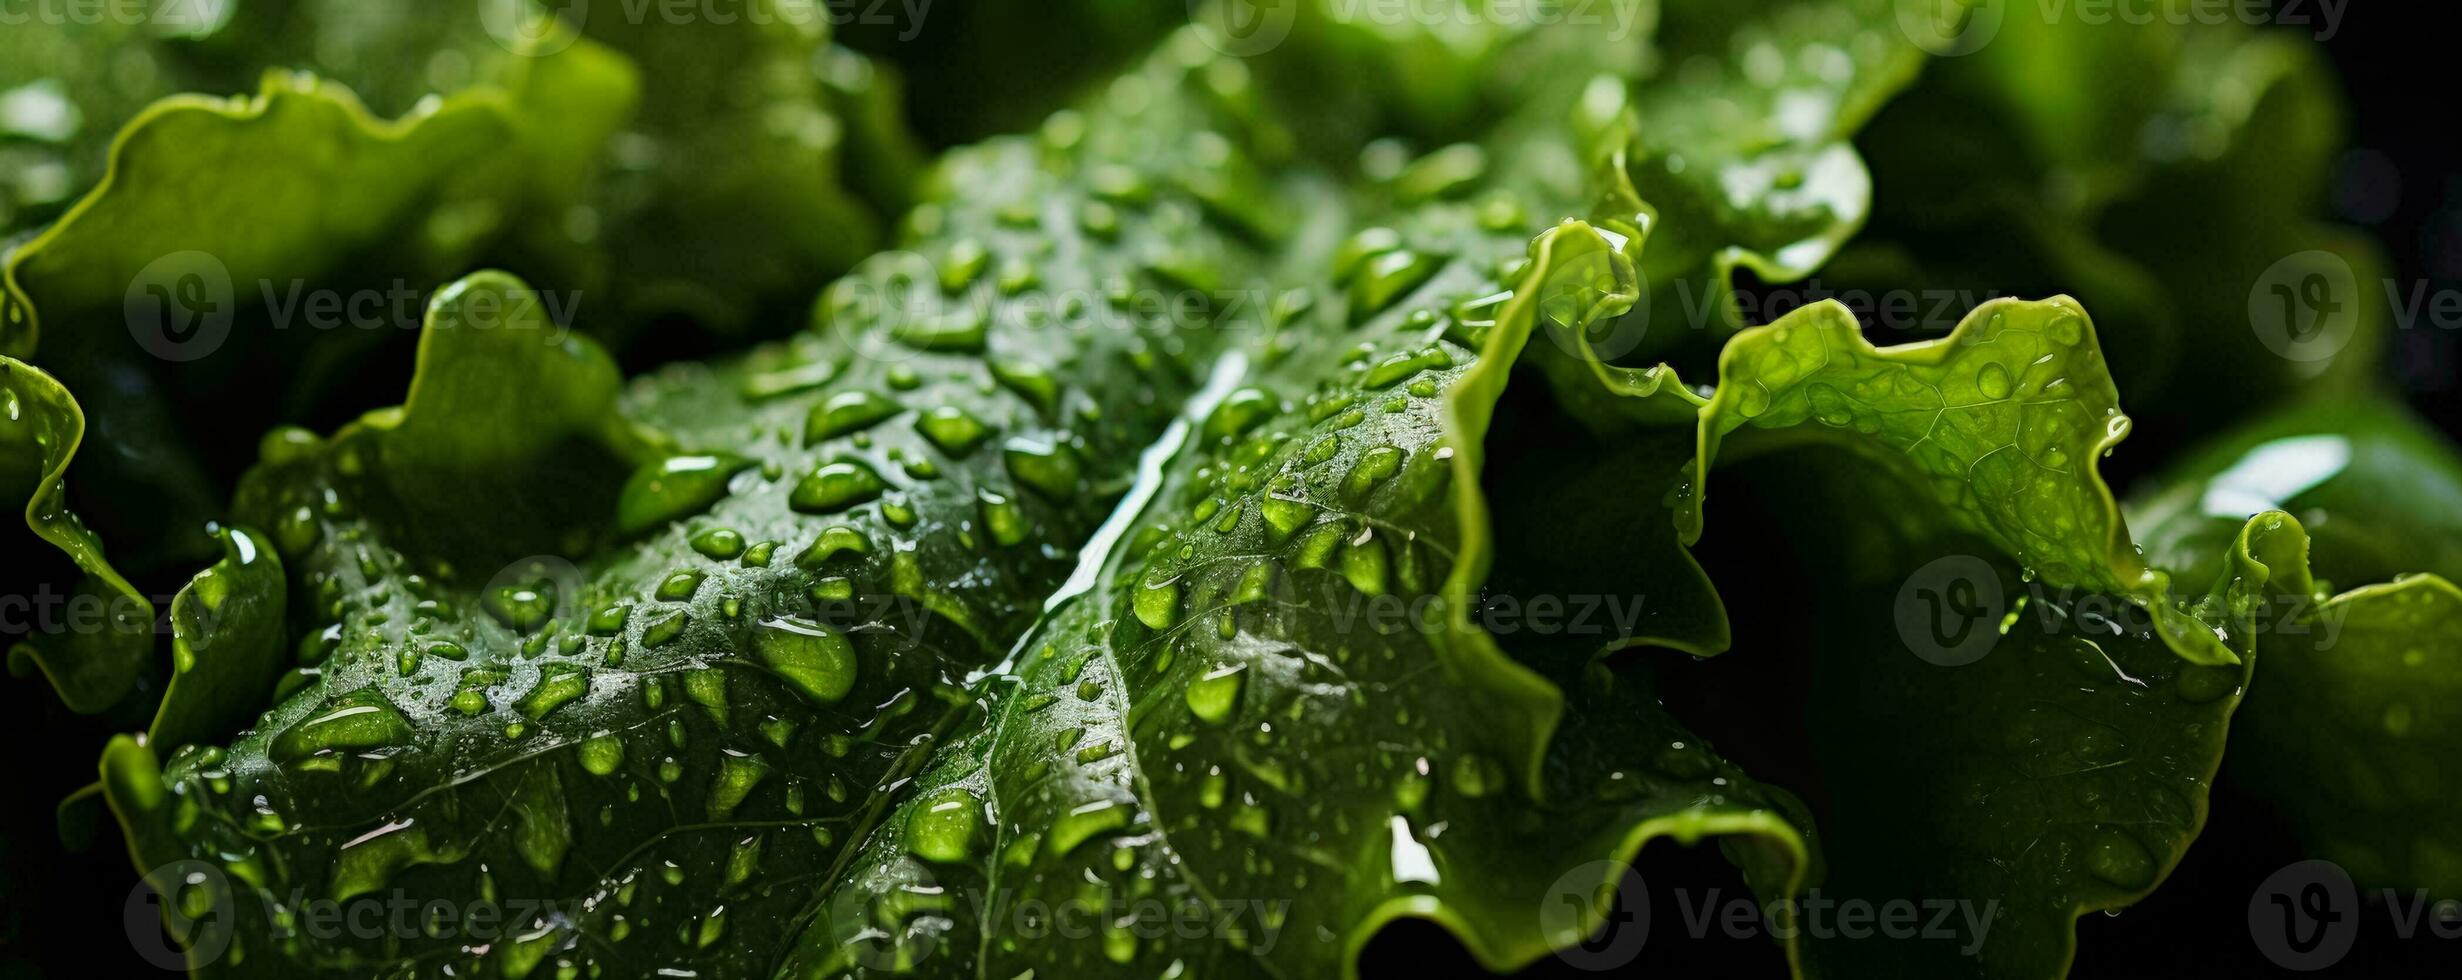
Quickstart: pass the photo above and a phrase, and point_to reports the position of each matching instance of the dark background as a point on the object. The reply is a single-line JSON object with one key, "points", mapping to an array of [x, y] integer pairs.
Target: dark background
{"points": [[61, 912]]}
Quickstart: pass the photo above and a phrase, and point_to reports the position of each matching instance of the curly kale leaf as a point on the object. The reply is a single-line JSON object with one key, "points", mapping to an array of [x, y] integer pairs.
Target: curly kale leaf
{"points": [[694, 626], [2357, 690], [1276, 722]]}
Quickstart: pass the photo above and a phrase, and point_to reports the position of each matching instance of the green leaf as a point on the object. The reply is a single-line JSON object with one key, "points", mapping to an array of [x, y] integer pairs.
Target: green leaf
{"points": [[101, 647], [509, 414], [829, 537], [1739, 152], [226, 644], [2048, 749], [2380, 490], [2168, 173], [362, 185], [58, 102], [2343, 731], [2357, 688], [750, 116], [1276, 718], [2003, 423], [983, 69], [2070, 709], [457, 162], [189, 274]]}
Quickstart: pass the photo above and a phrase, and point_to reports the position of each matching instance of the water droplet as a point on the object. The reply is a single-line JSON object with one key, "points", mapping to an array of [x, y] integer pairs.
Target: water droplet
{"points": [[2116, 857], [1993, 380], [600, 755], [665, 631], [1386, 278], [946, 827], [1157, 602], [959, 330], [1364, 565], [558, 684], [1048, 468], [609, 620], [680, 585], [738, 774], [1752, 399], [1373, 467], [1003, 518], [1212, 697], [818, 662], [834, 487], [1083, 823], [362, 719], [847, 412], [720, 544], [1239, 412], [677, 487], [951, 430], [1032, 382]]}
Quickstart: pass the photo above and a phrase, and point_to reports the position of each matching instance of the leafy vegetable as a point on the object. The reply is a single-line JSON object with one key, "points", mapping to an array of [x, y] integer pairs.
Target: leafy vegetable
{"points": [[2340, 718], [1740, 157], [1151, 543], [1289, 643], [2200, 251], [860, 517], [92, 664]]}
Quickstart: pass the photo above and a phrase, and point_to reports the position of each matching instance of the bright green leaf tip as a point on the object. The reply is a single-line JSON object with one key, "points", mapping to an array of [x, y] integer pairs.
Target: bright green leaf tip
{"points": [[41, 428]]}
